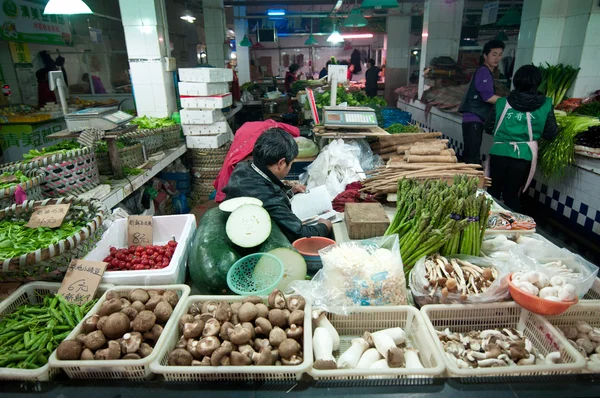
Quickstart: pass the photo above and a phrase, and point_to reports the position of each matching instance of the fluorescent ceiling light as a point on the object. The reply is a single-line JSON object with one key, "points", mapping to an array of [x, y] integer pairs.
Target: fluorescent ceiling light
{"points": [[357, 36], [68, 7], [275, 13], [188, 17], [335, 37]]}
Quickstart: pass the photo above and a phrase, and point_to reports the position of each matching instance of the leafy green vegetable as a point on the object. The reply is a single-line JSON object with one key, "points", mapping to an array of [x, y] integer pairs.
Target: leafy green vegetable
{"points": [[248, 86], [18, 175], [556, 155], [591, 109], [356, 98], [556, 81], [61, 147], [145, 122], [132, 171], [398, 128]]}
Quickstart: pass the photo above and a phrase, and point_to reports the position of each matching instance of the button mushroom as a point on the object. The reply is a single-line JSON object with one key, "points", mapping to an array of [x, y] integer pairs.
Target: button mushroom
{"points": [[296, 318], [277, 336], [277, 318], [153, 302], [212, 327], [289, 347], [277, 299], [90, 324], [109, 307], [239, 335], [95, 340], [294, 360], [171, 297], [224, 333], [247, 312], [294, 332], [263, 310], [145, 350], [131, 356], [131, 342], [208, 345], [239, 359], [263, 357], [138, 306], [295, 303], [69, 350], [86, 355], [112, 352], [217, 358], [186, 318], [223, 312], [235, 307], [193, 330], [130, 312], [144, 321], [252, 299], [263, 326], [260, 343], [163, 311], [139, 295], [180, 357]]}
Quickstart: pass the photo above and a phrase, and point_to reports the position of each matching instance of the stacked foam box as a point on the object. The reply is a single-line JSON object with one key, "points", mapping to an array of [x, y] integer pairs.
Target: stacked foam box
{"points": [[203, 93]]}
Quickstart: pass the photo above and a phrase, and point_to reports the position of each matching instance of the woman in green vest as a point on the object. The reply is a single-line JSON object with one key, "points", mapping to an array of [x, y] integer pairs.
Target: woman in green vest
{"points": [[517, 123]]}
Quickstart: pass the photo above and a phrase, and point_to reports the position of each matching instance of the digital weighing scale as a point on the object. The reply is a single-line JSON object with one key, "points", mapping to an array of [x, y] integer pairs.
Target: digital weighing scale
{"points": [[349, 117], [99, 118]]}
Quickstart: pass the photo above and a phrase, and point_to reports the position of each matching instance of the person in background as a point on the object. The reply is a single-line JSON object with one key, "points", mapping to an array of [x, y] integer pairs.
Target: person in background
{"points": [[479, 101], [45, 95], [262, 177], [98, 86], [371, 77], [290, 77], [324, 71], [517, 123], [350, 71]]}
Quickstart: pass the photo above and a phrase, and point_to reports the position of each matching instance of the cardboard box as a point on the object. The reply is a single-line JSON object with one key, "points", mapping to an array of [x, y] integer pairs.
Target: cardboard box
{"points": [[202, 129], [365, 220], [203, 89], [200, 116], [206, 75], [211, 102], [208, 141]]}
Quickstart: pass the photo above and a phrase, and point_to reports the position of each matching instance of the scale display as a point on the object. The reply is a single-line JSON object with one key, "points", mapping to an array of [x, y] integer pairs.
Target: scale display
{"points": [[349, 117], [100, 118]]}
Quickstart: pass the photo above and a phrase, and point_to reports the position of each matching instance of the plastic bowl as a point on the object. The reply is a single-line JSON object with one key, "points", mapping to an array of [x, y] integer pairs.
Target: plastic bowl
{"points": [[273, 94], [243, 280], [309, 248], [536, 304]]}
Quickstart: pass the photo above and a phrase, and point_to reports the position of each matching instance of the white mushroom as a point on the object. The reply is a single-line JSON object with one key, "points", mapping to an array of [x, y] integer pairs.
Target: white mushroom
{"points": [[586, 345], [527, 287], [567, 293], [557, 281], [486, 363], [490, 332], [583, 327], [594, 335], [530, 360], [549, 291], [570, 332], [552, 358]]}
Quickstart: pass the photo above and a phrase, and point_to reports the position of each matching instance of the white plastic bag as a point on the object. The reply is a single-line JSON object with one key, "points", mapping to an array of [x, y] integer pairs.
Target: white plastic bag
{"points": [[362, 273], [497, 292], [247, 97], [306, 148]]}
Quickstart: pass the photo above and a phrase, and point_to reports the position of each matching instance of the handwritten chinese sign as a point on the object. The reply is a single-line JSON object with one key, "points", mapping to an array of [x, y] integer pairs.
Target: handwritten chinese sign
{"points": [[48, 216], [139, 230], [81, 281], [20, 53], [24, 21]]}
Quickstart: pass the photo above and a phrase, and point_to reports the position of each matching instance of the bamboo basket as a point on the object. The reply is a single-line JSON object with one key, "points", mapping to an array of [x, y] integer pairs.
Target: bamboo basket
{"points": [[151, 139], [50, 263], [131, 156], [171, 136], [31, 187]]}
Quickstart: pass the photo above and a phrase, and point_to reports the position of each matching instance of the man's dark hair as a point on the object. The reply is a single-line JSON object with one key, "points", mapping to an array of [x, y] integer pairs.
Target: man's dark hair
{"points": [[490, 45], [275, 144], [527, 79], [294, 67], [371, 62]]}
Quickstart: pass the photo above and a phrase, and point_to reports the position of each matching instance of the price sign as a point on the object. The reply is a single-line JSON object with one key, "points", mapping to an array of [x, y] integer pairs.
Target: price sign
{"points": [[48, 216], [8, 288], [339, 72], [7, 179], [81, 281], [139, 230]]}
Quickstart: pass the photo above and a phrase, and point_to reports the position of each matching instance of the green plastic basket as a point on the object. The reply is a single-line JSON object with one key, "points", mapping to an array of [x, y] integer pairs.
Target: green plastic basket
{"points": [[256, 274]]}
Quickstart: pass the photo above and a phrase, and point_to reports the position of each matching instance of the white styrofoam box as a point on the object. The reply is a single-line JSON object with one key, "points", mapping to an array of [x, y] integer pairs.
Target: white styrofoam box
{"points": [[211, 102], [203, 89], [200, 116], [202, 129], [208, 141], [181, 226], [206, 75]]}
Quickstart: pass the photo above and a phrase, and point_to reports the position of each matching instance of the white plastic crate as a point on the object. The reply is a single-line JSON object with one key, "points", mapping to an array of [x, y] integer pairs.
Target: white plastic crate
{"points": [[594, 292], [200, 116], [230, 373], [465, 318], [30, 294], [202, 129], [208, 141], [181, 226], [373, 319], [205, 75], [203, 89], [583, 311], [129, 369], [212, 102]]}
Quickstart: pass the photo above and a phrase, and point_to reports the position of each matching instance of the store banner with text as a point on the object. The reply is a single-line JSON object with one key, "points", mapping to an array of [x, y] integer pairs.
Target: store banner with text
{"points": [[20, 53], [24, 21]]}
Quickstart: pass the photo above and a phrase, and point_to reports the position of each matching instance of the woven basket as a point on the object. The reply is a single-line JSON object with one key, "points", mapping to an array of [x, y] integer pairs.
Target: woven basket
{"points": [[171, 137], [73, 172], [50, 263], [152, 139], [131, 156], [31, 187], [205, 173]]}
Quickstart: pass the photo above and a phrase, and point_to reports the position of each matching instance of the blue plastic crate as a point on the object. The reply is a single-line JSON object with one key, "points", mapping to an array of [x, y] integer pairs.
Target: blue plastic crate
{"points": [[298, 168]]}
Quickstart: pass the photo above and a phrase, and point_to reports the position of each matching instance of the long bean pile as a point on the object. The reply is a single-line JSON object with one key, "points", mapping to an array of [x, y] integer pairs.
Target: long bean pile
{"points": [[30, 334], [556, 155], [435, 217]]}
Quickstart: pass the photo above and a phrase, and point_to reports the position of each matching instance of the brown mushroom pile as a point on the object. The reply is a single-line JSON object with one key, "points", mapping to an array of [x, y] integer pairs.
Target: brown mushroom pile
{"points": [[492, 348], [126, 326], [249, 332]]}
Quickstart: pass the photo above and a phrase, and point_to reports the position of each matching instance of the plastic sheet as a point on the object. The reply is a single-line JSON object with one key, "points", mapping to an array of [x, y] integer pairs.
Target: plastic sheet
{"points": [[497, 292], [354, 274]]}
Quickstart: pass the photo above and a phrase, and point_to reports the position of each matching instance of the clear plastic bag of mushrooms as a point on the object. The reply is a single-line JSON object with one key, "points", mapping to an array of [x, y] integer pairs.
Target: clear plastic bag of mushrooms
{"points": [[458, 280]]}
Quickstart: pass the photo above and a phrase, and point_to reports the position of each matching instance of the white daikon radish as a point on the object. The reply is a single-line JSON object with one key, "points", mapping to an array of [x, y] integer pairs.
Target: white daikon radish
{"points": [[294, 267], [232, 204], [248, 226]]}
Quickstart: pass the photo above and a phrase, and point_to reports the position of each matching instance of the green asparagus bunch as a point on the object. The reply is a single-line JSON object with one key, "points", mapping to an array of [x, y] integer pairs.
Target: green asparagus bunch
{"points": [[437, 217]]}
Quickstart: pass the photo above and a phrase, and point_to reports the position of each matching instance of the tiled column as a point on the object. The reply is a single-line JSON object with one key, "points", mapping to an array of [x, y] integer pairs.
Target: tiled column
{"points": [[397, 55], [144, 25], [442, 23], [588, 79], [243, 53], [214, 27]]}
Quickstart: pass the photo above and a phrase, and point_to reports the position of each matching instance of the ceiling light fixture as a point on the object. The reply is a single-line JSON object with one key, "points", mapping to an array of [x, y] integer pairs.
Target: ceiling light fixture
{"points": [[187, 15], [245, 42], [335, 37], [355, 18], [276, 13], [68, 7], [357, 36], [379, 4], [311, 41]]}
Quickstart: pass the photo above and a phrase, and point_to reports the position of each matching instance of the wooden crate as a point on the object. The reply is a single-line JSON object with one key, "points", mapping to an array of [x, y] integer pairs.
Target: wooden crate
{"points": [[365, 220]]}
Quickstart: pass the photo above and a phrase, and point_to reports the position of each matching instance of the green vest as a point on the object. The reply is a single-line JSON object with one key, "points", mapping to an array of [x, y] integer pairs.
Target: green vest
{"points": [[512, 134]]}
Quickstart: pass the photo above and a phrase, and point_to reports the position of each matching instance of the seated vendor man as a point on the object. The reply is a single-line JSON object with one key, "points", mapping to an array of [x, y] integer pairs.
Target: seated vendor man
{"points": [[262, 178]]}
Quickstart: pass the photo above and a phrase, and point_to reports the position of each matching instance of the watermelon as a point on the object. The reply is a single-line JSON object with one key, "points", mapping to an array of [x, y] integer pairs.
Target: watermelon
{"points": [[211, 254]]}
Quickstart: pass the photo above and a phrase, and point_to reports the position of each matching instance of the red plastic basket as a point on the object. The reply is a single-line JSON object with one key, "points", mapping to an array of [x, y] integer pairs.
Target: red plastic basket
{"points": [[536, 304]]}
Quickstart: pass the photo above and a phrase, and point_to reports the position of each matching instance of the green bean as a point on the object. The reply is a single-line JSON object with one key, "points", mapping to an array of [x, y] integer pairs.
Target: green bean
{"points": [[66, 314]]}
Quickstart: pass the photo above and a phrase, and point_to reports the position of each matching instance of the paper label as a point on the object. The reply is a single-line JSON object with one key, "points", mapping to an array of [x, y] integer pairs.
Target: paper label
{"points": [[81, 281], [139, 230], [10, 178], [8, 288], [50, 216]]}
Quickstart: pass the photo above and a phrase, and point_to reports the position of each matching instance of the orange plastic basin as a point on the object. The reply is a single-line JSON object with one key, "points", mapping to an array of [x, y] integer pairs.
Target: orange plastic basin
{"points": [[536, 304]]}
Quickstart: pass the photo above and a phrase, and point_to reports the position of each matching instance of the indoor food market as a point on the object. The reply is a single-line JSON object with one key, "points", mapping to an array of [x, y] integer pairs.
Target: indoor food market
{"points": [[316, 198]]}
